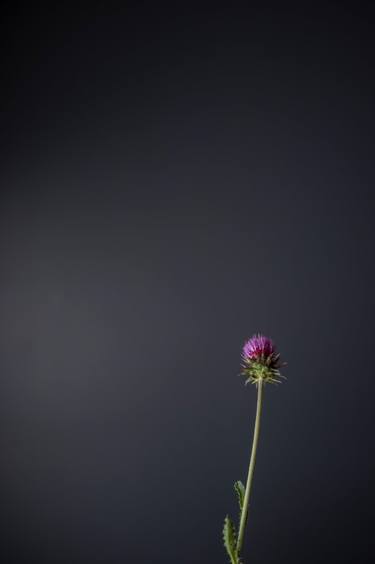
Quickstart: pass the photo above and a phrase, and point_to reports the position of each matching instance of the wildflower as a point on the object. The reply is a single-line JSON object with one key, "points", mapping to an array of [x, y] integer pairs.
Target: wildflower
{"points": [[260, 361], [260, 364]]}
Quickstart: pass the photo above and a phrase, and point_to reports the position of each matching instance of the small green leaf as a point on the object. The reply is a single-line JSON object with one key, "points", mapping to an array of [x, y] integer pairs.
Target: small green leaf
{"points": [[240, 491], [229, 536]]}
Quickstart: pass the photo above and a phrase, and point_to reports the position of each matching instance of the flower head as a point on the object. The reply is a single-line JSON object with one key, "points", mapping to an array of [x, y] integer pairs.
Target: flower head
{"points": [[260, 361]]}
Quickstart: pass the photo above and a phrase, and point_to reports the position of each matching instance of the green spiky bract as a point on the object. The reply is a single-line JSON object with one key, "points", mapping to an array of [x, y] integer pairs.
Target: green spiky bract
{"points": [[256, 371]]}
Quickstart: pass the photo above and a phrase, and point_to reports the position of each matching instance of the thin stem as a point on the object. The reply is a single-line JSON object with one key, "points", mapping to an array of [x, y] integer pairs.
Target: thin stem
{"points": [[245, 507]]}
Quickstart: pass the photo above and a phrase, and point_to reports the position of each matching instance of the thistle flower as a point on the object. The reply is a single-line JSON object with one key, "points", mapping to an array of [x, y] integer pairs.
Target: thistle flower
{"points": [[260, 364], [260, 361]]}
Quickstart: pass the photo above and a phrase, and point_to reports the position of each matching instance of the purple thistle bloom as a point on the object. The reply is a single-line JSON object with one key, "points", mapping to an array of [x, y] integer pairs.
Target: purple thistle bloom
{"points": [[260, 360], [257, 347]]}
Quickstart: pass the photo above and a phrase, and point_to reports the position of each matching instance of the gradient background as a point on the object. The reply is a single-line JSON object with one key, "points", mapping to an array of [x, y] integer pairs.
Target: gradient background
{"points": [[173, 180]]}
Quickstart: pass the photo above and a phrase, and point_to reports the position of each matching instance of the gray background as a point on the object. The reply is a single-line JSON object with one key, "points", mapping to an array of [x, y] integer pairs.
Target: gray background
{"points": [[173, 180]]}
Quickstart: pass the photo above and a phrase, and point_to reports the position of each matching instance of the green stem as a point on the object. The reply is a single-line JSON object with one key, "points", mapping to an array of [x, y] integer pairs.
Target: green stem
{"points": [[245, 507]]}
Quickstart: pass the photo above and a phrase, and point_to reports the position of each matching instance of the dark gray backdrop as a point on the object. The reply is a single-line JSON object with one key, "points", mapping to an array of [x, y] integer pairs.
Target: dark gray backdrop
{"points": [[173, 180]]}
